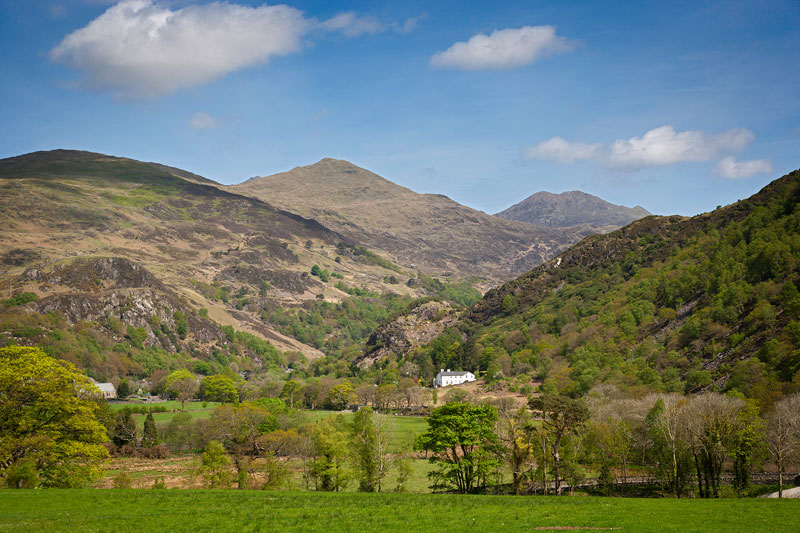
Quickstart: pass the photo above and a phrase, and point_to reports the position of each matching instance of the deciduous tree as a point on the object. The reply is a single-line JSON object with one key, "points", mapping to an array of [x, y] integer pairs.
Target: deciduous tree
{"points": [[182, 385], [783, 434], [561, 416], [47, 420], [464, 445]]}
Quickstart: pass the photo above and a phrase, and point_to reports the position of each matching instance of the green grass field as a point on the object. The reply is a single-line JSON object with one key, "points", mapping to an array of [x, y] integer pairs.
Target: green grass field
{"points": [[241, 511], [195, 409]]}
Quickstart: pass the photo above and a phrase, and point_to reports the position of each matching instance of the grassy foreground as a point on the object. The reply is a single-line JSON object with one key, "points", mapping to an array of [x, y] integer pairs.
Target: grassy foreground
{"points": [[240, 511]]}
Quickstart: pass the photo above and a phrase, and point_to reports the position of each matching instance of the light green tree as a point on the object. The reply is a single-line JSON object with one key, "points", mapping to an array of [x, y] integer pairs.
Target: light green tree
{"points": [[219, 388], [181, 385], [341, 396], [331, 439], [48, 424], [214, 466], [370, 449]]}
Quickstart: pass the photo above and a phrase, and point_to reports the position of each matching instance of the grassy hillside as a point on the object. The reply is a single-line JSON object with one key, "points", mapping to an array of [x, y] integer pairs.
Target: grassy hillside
{"points": [[127, 267], [426, 231], [199, 510], [668, 303]]}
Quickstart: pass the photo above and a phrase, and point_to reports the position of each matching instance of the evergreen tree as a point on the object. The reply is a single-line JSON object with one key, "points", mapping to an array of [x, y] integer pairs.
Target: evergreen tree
{"points": [[123, 389], [125, 430], [150, 435]]}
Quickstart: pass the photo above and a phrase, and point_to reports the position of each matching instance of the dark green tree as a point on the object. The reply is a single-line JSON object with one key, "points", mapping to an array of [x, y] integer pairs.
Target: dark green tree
{"points": [[125, 430], [150, 434], [123, 389], [464, 445]]}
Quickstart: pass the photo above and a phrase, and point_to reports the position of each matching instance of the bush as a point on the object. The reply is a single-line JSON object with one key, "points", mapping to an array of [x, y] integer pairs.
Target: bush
{"points": [[22, 475], [21, 299], [123, 480]]}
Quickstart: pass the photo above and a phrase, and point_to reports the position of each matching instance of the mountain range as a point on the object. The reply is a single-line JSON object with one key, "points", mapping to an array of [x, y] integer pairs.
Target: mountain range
{"points": [[129, 268], [429, 232], [97, 237]]}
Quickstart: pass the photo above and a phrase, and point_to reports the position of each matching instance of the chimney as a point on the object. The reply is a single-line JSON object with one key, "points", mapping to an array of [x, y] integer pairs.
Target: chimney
{"points": [[448, 370]]}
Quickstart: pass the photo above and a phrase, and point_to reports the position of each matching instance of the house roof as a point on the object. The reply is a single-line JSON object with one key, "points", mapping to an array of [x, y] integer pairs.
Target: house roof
{"points": [[106, 387], [448, 373]]}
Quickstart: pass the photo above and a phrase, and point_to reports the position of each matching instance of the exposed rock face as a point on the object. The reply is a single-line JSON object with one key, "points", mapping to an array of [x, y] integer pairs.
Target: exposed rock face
{"points": [[99, 289], [414, 328], [95, 274], [571, 208]]}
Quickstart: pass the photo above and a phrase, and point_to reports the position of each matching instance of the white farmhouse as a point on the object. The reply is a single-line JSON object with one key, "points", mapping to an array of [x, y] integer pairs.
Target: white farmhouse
{"points": [[107, 389], [446, 377]]}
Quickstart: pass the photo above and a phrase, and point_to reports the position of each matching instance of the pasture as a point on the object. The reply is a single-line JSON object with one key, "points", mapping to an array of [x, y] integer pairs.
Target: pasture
{"points": [[240, 511]]}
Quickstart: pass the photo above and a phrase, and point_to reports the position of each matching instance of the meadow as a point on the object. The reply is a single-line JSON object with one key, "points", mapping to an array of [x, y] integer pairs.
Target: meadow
{"points": [[195, 409], [241, 511]]}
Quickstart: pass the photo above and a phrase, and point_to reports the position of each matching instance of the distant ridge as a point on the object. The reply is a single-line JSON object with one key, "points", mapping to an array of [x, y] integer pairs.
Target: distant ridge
{"points": [[571, 209], [425, 231]]}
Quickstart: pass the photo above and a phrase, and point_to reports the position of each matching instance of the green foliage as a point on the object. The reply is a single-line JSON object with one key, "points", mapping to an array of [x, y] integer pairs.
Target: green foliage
{"points": [[123, 389], [322, 274], [365, 256], [370, 451], [335, 326], [461, 292], [21, 299], [665, 297], [214, 466], [125, 429], [181, 325], [219, 388], [331, 469], [47, 419], [463, 445], [150, 433]]}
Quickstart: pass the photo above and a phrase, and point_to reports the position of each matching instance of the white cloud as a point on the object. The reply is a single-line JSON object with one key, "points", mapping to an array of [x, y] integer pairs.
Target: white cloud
{"points": [[352, 25], [409, 25], [561, 151], [731, 169], [503, 49], [202, 121], [139, 49], [664, 146], [657, 147]]}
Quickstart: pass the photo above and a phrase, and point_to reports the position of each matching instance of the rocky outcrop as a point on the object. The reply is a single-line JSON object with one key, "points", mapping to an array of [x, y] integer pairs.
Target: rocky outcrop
{"points": [[105, 290], [415, 327]]}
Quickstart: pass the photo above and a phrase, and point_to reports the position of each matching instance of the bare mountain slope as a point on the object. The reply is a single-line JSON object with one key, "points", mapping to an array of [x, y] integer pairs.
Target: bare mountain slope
{"points": [[428, 231], [207, 248], [570, 209]]}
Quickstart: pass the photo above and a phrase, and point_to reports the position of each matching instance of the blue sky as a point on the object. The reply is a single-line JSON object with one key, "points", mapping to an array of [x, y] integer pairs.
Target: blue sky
{"points": [[675, 106]]}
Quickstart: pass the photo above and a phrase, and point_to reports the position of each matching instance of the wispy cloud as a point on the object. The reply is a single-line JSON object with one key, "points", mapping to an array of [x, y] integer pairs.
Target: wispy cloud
{"points": [[202, 121], [503, 49], [657, 147], [731, 169], [408, 25], [142, 49], [352, 25]]}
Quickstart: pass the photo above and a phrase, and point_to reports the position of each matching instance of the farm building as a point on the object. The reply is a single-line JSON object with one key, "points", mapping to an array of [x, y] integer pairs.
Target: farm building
{"points": [[107, 389], [447, 377]]}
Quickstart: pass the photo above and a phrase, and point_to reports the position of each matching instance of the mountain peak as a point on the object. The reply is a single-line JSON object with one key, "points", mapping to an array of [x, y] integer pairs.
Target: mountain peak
{"points": [[571, 208]]}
